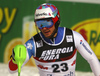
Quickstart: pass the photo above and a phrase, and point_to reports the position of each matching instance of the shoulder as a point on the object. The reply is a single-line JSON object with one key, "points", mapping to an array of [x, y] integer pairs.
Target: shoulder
{"points": [[30, 43], [61, 28], [77, 38], [77, 35], [30, 40]]}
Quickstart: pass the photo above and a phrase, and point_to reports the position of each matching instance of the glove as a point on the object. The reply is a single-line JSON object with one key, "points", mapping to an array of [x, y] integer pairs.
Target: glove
{"points": [[18, 57], [18, 54], [12, 56]]}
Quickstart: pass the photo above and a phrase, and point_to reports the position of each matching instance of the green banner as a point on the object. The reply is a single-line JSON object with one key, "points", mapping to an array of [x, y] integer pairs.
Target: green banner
{"points": [[17, 25]]}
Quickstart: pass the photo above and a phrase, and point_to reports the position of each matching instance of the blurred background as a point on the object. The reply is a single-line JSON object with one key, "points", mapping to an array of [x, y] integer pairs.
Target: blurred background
{"points": [[17, 26]]}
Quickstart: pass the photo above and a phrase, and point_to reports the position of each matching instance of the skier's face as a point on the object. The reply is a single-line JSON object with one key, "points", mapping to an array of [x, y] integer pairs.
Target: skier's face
{"points": [[48, 31], [46, 27]]}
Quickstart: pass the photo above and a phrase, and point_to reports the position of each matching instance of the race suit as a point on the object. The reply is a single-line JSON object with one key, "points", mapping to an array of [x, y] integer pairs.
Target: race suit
{"points": [[57, 56]]}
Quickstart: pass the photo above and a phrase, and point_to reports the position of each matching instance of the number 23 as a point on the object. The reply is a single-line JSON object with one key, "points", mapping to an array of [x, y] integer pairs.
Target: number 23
{"points": [[56, 67]]}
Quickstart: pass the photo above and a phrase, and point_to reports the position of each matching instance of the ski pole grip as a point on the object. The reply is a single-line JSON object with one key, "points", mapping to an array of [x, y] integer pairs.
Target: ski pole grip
{"points": [[20, 55]]}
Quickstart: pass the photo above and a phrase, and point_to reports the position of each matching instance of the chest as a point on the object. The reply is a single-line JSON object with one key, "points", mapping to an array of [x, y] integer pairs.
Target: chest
{"points": [[55, 52]]}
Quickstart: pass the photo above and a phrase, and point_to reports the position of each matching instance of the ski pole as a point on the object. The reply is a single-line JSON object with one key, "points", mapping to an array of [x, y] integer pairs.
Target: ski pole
{"points": [[20, 56]]}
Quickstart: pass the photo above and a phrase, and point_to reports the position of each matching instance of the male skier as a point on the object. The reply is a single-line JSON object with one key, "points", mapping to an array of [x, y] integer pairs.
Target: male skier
{"points": [[54, 48]]}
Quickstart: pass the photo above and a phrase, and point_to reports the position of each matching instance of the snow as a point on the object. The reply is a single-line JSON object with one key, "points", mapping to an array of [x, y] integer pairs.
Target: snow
{"points": [[31, 71]]}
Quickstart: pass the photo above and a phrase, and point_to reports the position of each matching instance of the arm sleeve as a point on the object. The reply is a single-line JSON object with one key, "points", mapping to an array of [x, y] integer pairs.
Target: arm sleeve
{"points": [[30, 46], [87, 53]]}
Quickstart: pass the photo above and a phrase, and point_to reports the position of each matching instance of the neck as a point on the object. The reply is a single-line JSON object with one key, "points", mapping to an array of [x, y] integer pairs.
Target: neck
{"points": [[53, 35]]}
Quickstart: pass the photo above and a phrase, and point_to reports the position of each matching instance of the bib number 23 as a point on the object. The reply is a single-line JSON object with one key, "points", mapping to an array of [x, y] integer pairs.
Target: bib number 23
{"points": [[56, 67]]}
